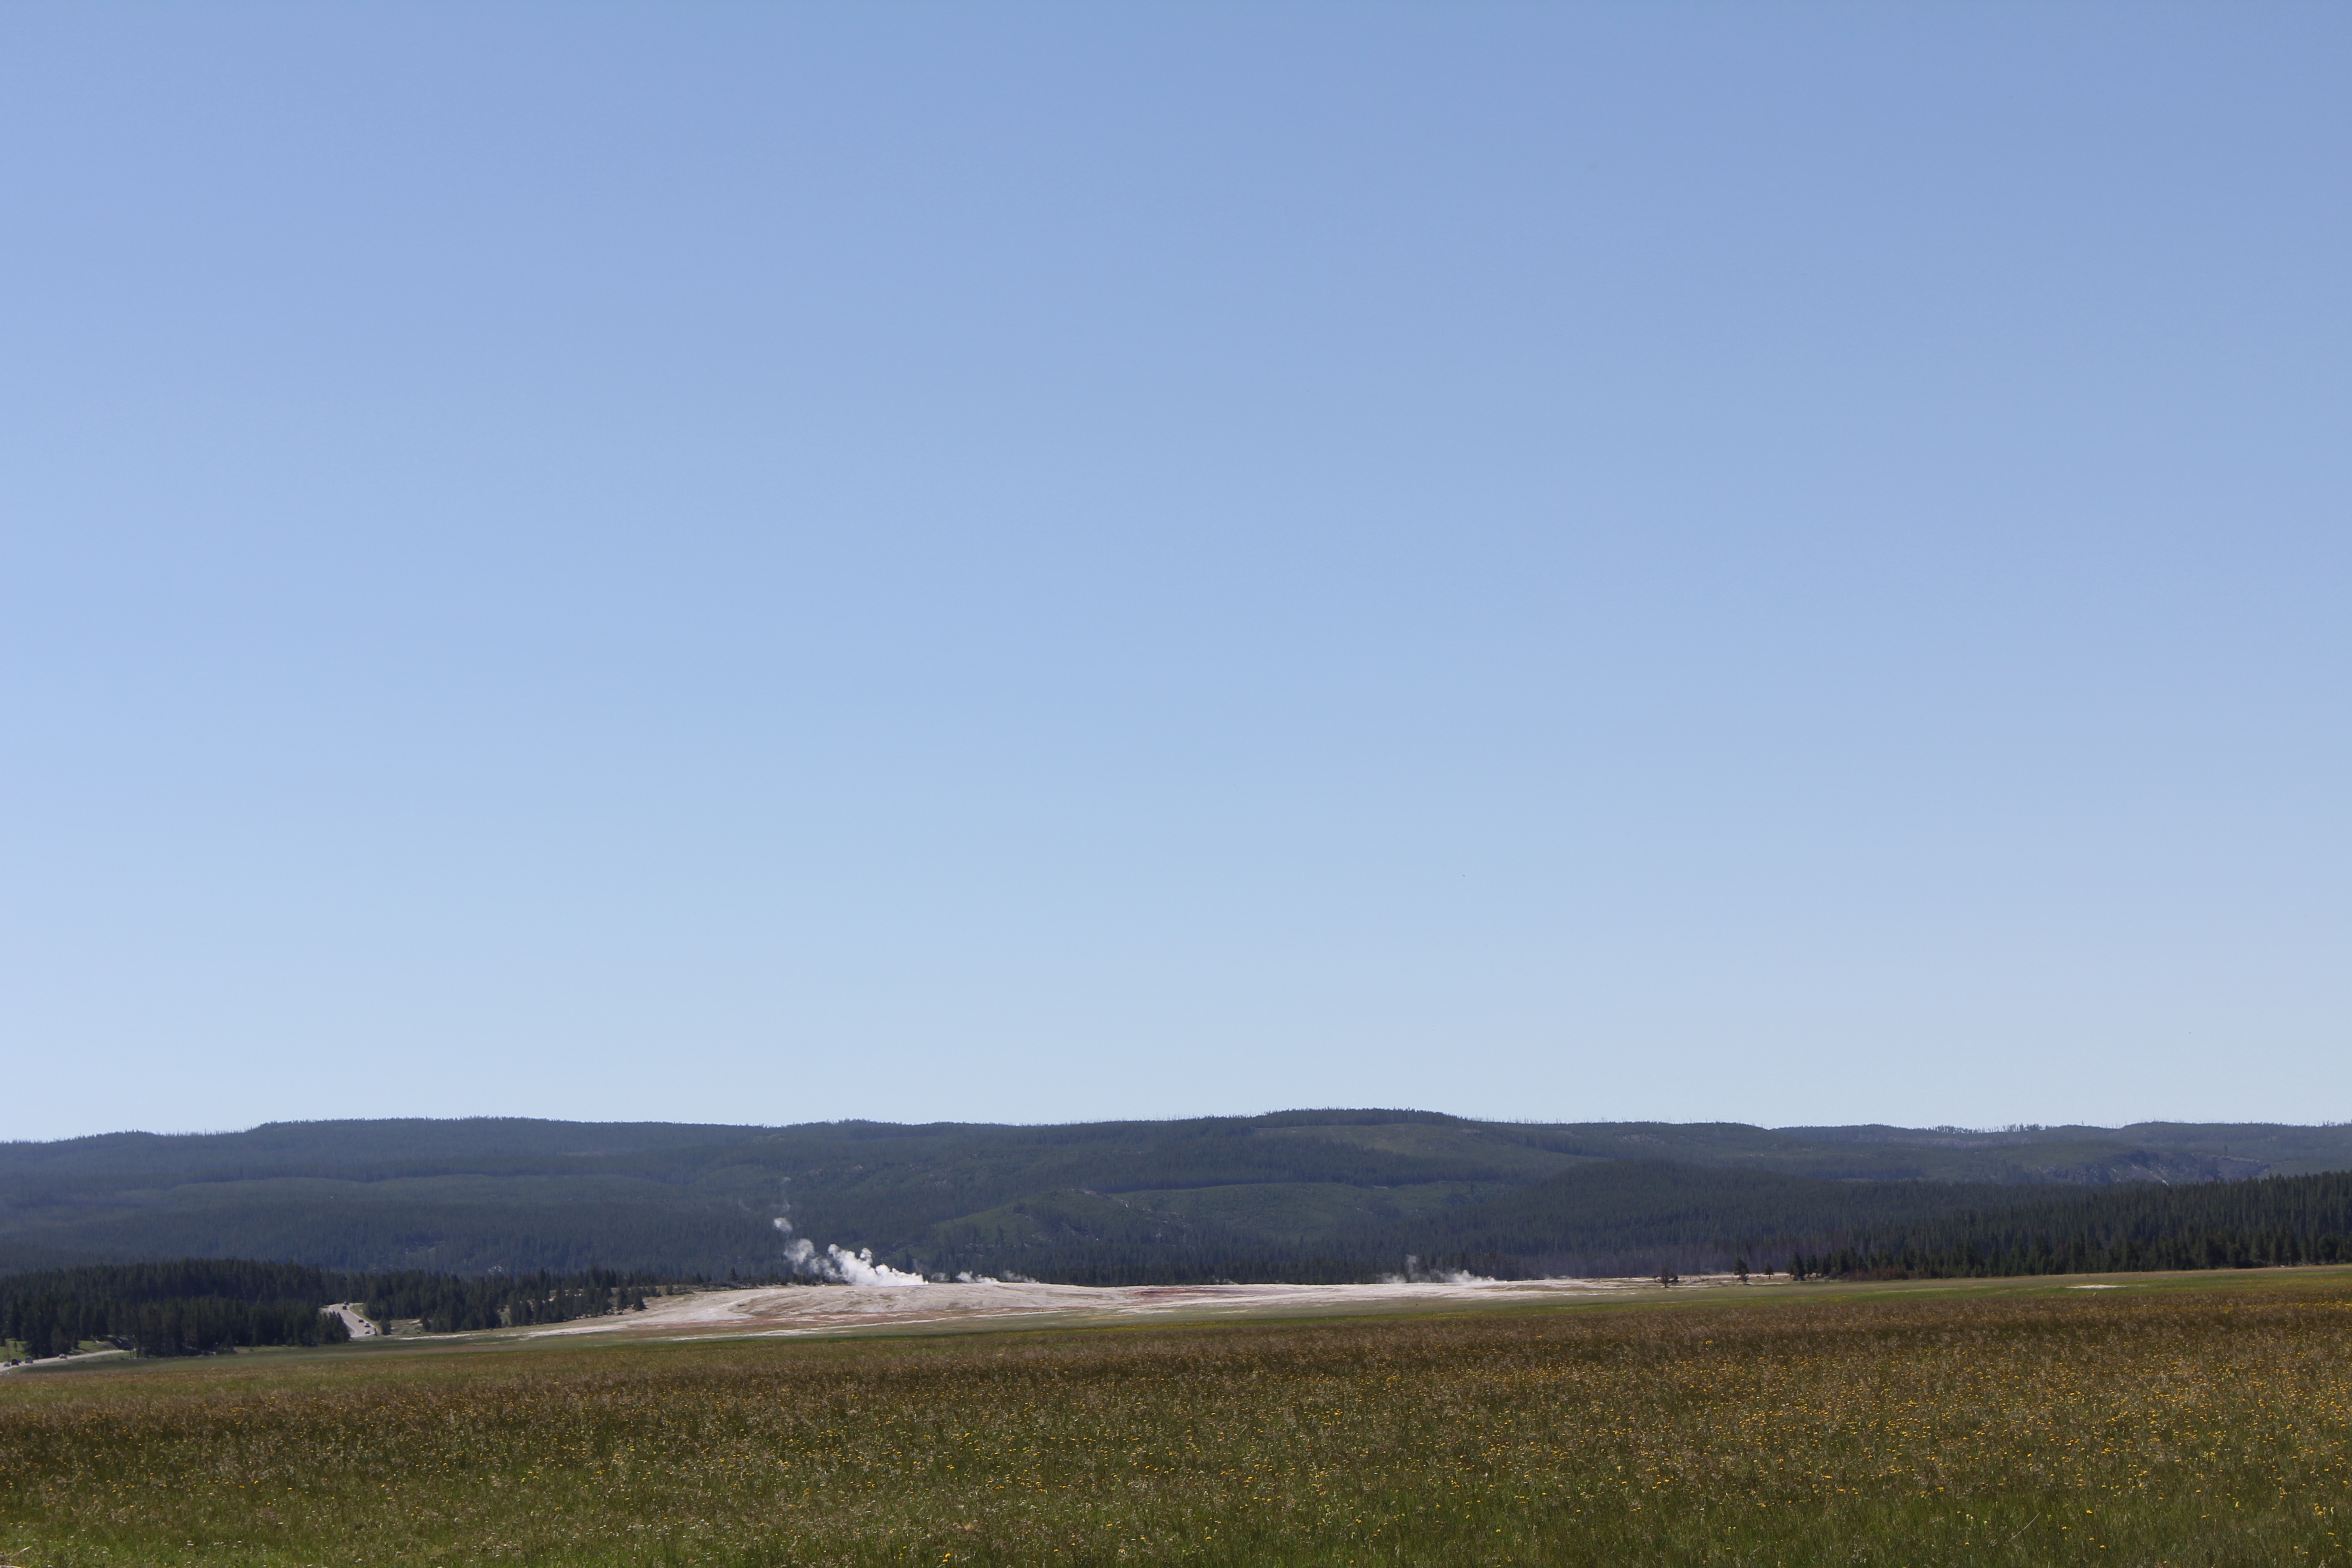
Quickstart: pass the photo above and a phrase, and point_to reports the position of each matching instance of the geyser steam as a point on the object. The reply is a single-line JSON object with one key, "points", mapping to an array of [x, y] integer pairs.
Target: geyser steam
{"points": [[837, 1264]]}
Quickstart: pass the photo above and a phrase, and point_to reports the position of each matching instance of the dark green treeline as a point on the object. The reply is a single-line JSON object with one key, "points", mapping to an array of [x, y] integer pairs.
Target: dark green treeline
{"points": [[202, 1306], [186, 1308], [2267, 1223], [1620, 1218]]}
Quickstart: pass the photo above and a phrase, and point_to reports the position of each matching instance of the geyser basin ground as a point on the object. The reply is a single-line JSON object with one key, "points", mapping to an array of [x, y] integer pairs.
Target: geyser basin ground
{"points": [[835, 1308]]}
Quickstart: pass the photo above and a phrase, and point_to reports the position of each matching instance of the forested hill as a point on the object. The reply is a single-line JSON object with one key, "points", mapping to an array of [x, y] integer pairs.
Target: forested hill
{"points": [[1272, 1192]]}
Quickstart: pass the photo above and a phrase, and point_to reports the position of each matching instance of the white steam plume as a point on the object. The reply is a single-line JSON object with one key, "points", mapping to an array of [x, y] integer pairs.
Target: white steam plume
{"points": [[838, 1264], [1416, 1274], [859, 1267]]}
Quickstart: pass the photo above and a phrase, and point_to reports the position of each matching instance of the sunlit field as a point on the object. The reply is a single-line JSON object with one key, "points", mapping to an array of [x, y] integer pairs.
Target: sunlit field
{"points": [[2199, 1421]]}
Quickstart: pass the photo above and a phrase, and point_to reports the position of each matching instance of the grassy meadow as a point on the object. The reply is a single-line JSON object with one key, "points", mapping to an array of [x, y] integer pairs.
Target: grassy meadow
{"points": [[2198, 1420]]}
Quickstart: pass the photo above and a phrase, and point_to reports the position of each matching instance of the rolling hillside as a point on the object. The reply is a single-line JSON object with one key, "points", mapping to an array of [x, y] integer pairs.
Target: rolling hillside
{"points": [[1305, 1192]]}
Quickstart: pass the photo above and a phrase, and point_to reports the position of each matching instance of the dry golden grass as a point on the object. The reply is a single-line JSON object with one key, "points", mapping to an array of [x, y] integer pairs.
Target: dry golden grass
{"points": [[2199, 1425]]}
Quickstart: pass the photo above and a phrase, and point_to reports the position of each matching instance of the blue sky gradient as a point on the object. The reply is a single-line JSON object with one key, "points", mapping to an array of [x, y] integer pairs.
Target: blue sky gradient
{"points": [[764, 564]]}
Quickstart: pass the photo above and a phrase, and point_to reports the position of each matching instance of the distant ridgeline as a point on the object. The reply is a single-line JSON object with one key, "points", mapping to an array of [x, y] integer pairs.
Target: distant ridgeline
{"points": [[1303, 1195], [200, 1306]]}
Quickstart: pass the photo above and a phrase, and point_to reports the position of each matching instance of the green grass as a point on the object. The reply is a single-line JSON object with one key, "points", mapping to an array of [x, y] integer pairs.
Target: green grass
{"points": [[2193, 1422]]}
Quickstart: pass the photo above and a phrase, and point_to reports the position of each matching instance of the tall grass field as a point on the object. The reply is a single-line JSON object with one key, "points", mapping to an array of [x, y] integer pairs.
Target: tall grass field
{"points": [[2196, 1421]]}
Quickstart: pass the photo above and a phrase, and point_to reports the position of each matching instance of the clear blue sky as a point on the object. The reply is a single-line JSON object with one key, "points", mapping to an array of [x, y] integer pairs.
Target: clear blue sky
{"points": [[760, 563]]}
